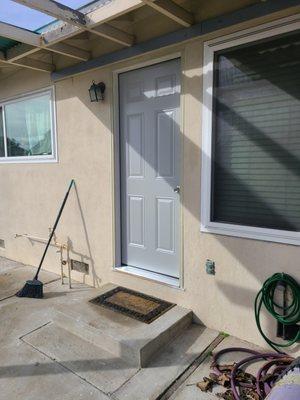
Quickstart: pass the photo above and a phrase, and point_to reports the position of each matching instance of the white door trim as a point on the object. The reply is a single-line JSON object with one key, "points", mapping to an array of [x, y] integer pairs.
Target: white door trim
{"points": [[117, 266]]}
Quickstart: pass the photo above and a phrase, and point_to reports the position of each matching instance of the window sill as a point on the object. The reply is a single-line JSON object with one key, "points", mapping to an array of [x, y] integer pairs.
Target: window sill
{"points": [[28, 160], [268, 235]]}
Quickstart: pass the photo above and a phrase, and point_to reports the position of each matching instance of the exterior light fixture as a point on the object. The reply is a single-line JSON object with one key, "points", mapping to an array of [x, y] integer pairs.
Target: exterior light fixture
{"points": [[96, 91]]}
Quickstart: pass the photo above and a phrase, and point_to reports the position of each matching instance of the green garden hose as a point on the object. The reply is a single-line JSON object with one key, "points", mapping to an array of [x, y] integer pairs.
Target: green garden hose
{"points": [[289, 315]]}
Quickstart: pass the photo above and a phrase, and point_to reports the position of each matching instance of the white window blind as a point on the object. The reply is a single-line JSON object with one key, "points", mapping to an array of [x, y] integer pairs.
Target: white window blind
{"points": [[256, 135]]}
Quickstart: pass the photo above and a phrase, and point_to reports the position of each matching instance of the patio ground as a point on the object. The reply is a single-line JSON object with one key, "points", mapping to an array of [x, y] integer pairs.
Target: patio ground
{"points": [[41, 360]]}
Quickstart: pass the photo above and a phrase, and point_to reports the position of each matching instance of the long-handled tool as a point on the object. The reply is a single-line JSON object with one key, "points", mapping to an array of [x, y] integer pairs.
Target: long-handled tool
{"points": [[34, 288]]}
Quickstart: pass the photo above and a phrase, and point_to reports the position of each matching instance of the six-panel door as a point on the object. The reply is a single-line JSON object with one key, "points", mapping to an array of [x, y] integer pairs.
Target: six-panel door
{"points": [[150, 167]]}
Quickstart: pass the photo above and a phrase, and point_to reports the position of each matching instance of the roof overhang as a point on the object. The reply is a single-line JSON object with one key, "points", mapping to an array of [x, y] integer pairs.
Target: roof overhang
{"points": [[102, 20]]}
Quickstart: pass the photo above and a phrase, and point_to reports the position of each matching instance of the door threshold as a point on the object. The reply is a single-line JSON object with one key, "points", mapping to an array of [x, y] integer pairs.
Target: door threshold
{"points": [[152, 276]]}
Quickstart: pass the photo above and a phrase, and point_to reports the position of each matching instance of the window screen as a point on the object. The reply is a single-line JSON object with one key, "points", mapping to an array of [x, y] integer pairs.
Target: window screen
{"points": [[256, 135]]}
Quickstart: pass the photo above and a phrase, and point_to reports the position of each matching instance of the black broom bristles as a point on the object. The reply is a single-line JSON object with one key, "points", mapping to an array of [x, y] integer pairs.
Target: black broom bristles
{"points": [[32, 289]]}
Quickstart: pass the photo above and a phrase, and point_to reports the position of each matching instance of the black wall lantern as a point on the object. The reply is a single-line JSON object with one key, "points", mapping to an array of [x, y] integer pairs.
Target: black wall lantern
{"points": [[97, 91]]}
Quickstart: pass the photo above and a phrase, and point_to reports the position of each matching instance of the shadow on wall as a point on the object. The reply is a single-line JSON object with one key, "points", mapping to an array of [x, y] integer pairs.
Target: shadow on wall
{"points": [[236, 246], [88, 258], [80, 256]]}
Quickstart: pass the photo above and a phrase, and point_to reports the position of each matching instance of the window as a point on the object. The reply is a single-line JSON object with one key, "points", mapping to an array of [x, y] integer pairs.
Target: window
{"points": [[27, 128], [252, 101]]}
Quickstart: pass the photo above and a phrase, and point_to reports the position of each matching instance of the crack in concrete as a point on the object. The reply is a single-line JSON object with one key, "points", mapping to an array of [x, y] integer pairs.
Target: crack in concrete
{"points": [[34, 330], [124, 383]]}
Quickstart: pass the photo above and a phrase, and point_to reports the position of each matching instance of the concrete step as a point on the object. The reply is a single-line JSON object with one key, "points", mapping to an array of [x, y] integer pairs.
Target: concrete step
{"points": [[166, 368], [133, 341]]}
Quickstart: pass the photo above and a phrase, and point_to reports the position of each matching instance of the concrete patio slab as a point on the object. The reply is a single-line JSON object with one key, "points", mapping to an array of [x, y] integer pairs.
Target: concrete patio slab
{"points": [[19, 316], [26, 374], [93, 364]]}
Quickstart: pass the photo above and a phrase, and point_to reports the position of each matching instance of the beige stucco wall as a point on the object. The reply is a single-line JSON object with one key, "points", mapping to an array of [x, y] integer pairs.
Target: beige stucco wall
{"points": [[31, 193]]}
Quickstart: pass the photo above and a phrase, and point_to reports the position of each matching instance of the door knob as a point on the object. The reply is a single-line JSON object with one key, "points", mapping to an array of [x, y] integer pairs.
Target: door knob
{"points": [[177, 189]]}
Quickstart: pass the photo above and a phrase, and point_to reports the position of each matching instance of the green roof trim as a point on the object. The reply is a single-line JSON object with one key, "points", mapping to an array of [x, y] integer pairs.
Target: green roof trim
{"points": [[6, 44]]}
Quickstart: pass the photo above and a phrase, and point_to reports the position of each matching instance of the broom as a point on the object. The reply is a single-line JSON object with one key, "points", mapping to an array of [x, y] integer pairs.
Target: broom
{"points": [[34, 288]]}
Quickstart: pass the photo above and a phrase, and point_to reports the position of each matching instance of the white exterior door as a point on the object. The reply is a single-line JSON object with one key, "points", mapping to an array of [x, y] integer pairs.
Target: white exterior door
{"points": [[150, 167]]}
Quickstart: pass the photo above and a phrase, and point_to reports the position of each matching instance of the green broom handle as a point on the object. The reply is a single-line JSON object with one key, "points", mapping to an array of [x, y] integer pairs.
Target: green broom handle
{"points": [[54, 227]]}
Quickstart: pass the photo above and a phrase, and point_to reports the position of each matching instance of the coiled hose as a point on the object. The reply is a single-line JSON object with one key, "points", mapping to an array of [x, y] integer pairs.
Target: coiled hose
{"points": [[286, 315], [265, 378]]}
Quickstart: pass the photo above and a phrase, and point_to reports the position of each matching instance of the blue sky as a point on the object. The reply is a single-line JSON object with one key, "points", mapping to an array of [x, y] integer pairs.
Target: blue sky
{"points": [[16, 14]]}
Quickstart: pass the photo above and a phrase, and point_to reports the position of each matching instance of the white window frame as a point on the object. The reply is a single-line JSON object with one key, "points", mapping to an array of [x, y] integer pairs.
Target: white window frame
{"points": [[268, 30], [39, 158]]}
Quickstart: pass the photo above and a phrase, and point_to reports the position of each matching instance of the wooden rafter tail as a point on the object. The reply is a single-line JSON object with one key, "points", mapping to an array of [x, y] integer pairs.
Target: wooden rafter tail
{"points": [[23, 50], [20, 35], [113, 34], [56, 10], [34, 64], [20, 51], [172, 10], [70, 51]]}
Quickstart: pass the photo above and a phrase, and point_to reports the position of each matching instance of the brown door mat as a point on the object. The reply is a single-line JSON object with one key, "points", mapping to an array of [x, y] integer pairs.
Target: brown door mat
{"points": [[133, 304]]}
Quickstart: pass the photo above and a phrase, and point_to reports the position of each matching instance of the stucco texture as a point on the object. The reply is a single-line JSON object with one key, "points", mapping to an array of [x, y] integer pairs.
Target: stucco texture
{"points": [[31, 194]]}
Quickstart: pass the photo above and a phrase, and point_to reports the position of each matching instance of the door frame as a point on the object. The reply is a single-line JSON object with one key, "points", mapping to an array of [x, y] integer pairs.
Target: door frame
{"points": [[116, 179]]}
